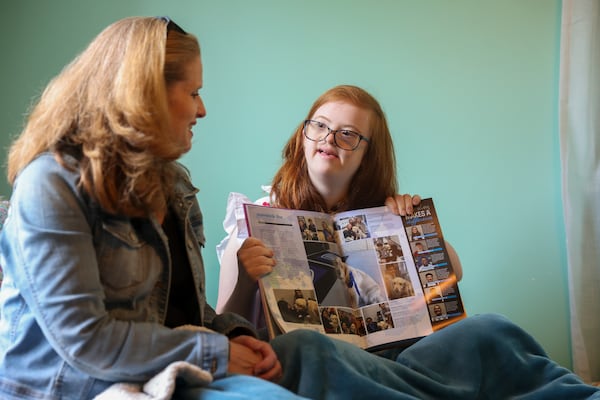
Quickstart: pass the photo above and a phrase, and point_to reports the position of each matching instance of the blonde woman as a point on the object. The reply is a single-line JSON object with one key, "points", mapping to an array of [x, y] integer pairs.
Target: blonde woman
{"points": [[101, 249]]}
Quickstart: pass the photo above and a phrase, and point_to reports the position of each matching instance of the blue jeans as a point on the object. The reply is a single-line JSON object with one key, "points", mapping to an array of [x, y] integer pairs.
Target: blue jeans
{"points": [[236, 387], [480, 357]]}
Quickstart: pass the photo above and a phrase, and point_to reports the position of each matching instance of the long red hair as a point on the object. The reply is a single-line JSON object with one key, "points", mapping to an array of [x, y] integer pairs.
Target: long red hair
{"points": [[374, 180]]}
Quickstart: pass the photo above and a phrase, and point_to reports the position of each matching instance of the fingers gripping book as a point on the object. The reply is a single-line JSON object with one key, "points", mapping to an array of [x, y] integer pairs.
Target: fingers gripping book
{"points": [[367, 276]]}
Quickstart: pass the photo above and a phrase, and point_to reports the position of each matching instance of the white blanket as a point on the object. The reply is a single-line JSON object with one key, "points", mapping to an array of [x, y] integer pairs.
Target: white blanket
{"points": [[162, 385]]}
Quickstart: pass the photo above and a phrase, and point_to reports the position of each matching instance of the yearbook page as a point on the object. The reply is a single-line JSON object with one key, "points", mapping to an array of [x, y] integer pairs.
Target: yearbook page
{"points": [[366, 276]]}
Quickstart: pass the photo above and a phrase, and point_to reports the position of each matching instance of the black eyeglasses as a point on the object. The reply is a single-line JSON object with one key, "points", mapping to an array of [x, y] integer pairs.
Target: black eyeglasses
{"points": [[172, 26], [345, 139]]}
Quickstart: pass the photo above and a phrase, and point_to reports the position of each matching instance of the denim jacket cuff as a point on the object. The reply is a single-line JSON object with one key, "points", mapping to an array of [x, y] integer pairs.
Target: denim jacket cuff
{"points": [[214, 356], [232, 325]]}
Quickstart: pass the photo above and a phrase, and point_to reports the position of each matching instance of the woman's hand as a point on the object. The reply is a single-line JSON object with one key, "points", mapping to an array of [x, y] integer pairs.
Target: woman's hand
{"points": [[250, 356], [402, 204], [255, 259]]}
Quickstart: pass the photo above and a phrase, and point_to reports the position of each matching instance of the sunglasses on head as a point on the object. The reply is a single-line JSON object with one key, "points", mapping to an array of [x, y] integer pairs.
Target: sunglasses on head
{"points": [[172, 26]]}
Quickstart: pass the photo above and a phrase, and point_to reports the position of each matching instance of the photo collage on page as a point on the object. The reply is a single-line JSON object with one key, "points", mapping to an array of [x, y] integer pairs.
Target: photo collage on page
{"points": [[431, 259]]}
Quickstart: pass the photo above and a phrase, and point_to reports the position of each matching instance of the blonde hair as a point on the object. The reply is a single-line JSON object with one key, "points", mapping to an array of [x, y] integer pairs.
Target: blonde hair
{"points": [[374, 180], [108, 107]]}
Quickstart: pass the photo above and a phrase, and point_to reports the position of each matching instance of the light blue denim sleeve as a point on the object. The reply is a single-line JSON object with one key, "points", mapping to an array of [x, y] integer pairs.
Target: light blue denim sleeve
{"points": [[48, 247]]}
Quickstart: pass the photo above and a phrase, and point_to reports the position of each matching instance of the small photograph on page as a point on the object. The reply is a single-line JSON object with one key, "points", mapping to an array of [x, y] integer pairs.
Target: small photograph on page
{"points": [[388, 249], [418, 248], [298, 306], [349, 320], [343, 320], [354, 228], [315, 229], [325, 232], [397, 281], [422, 231], [415, 232], [438, 312], [330, 320], [360, 323], [378, 317], [424, 263], [429, 278], [308, 228], [433, 294]]}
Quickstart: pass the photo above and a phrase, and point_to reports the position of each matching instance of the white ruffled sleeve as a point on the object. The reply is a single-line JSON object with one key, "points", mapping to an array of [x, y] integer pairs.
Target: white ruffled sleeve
{"points": [[237, 231]]}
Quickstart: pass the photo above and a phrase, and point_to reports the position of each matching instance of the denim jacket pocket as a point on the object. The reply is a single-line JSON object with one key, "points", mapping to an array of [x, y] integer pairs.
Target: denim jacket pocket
{"points": [[127, 263]]}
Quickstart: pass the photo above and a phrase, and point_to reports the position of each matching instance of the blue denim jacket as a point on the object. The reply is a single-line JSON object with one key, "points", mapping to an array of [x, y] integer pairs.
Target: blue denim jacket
{"points": [[85, 293]]}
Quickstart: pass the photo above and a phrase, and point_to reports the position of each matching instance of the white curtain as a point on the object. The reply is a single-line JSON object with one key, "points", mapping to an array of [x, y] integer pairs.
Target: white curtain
{"points": [[579, 116]]}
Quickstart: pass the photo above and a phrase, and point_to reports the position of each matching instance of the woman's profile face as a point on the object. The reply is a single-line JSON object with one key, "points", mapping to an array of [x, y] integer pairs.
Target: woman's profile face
{"points": [[185, 104], [324, 159]]}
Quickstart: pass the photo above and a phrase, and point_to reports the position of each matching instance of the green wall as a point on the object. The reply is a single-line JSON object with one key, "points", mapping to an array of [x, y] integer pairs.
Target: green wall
{"points": [[469, 87]]}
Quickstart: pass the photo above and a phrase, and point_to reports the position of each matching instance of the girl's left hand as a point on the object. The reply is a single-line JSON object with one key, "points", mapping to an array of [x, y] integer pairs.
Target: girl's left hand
{"points": [[402, 204]]}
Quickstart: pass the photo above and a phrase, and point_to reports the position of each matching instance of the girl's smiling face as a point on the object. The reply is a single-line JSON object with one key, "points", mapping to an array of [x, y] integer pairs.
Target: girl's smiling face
{"points": [[185, 104], [323, 158]]}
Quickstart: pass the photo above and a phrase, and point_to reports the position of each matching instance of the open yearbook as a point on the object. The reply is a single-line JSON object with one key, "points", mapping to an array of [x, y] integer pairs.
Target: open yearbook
{"points": [[367, 276]]}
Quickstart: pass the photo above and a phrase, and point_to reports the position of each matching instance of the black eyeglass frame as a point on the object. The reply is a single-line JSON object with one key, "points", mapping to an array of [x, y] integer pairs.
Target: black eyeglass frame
{"points": [[334, 133], [172, 26]]}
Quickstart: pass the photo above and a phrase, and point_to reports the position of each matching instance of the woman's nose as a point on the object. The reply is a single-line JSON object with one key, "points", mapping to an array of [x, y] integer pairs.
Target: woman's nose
{"points": [[201, 111]]}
